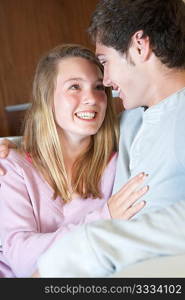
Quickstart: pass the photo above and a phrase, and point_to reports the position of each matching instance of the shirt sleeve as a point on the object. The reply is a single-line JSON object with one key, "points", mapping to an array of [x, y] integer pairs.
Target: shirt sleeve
{"points": [[22, 242], [179, 140], [21, 238], [106, 247]]}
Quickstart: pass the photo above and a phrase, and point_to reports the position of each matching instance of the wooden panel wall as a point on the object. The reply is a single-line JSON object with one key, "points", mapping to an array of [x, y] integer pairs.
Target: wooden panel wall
{"points": [[28, 28]]}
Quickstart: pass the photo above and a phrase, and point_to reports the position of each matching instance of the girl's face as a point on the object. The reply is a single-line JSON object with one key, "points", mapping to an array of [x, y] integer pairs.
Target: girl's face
{"points": [[80, 100]]}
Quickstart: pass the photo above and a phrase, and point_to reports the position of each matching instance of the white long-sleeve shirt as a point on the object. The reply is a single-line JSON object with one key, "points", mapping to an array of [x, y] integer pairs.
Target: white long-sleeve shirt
{"points": [[152, 141], [105, 248]]}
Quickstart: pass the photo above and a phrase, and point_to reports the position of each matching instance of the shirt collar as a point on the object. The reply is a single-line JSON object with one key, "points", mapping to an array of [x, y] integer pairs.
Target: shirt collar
{"points": [[153, 114]]}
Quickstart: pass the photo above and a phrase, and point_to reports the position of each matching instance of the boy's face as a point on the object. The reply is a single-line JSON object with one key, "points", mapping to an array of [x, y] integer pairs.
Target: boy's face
{"points": [[125, 74]]}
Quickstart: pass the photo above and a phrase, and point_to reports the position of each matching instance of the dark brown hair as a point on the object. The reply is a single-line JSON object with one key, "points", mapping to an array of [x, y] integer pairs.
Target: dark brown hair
{"points": [[115, 21]]}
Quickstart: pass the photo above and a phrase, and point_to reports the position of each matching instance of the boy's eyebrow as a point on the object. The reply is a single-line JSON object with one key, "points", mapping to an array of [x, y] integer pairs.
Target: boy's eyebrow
{"points": [[99, 55]]}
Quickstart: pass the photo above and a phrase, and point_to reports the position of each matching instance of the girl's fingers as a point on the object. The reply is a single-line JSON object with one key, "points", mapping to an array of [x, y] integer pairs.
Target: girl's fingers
{"points": [[131, 185], [132, 211], [135, 196]]}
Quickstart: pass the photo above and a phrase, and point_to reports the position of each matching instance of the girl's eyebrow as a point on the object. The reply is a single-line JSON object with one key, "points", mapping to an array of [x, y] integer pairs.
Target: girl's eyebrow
{"points": [[74, 79], [81, 79]]}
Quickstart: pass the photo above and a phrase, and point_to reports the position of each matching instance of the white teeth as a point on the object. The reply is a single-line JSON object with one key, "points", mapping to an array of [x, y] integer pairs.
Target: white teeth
{"points": [[86, 115]]}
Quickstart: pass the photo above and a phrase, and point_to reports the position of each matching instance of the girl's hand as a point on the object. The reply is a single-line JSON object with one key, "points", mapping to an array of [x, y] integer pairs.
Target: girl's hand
{"points": [[122, 204]]}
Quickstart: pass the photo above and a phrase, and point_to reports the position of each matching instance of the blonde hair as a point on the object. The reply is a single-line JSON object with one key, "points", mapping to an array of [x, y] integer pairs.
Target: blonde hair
{"points": [[41, 138]]}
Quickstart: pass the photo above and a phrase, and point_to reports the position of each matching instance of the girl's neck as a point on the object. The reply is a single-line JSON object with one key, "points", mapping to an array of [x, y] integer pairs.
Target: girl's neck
{"points": [[72, 149]]}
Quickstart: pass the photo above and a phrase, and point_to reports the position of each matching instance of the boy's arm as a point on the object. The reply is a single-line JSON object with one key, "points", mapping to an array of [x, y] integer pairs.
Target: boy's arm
{"points": [[102, 248]]}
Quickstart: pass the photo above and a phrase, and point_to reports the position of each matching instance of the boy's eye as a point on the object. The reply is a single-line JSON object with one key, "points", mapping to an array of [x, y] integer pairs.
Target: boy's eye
{"points": [[103, 62], [100, 87]]}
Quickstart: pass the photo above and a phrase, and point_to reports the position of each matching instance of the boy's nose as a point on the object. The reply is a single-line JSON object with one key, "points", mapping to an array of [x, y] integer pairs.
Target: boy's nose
{"points": [[106, 80]]}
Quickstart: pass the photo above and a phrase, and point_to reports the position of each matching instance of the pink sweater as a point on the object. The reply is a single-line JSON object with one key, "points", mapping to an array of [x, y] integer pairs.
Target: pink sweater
{"points": [[30, 220]]}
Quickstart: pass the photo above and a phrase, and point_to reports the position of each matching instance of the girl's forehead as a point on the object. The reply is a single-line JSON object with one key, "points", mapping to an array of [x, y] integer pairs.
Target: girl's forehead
{"points": [[78, 67]]}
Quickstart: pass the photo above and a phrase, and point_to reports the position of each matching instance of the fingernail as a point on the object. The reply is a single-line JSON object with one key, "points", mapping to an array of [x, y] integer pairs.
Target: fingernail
{"points": [[143, 202], [144, 175], [141, 175], [145, 188]]}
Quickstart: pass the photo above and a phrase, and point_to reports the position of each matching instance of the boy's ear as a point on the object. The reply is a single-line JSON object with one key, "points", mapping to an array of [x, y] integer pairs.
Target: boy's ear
{"points": [[141, 45]]}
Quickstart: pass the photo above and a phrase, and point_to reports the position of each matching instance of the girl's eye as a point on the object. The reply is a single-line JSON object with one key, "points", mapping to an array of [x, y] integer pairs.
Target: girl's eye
{"points": [[100, 87], [74, 87]]}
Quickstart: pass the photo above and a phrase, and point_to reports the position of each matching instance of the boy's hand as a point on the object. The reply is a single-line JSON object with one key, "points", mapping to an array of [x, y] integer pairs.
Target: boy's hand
{"points": [[5, 145]]}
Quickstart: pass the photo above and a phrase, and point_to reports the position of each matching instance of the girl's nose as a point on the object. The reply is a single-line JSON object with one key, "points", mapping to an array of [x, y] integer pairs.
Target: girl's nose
{"points": [[89, 98]]}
